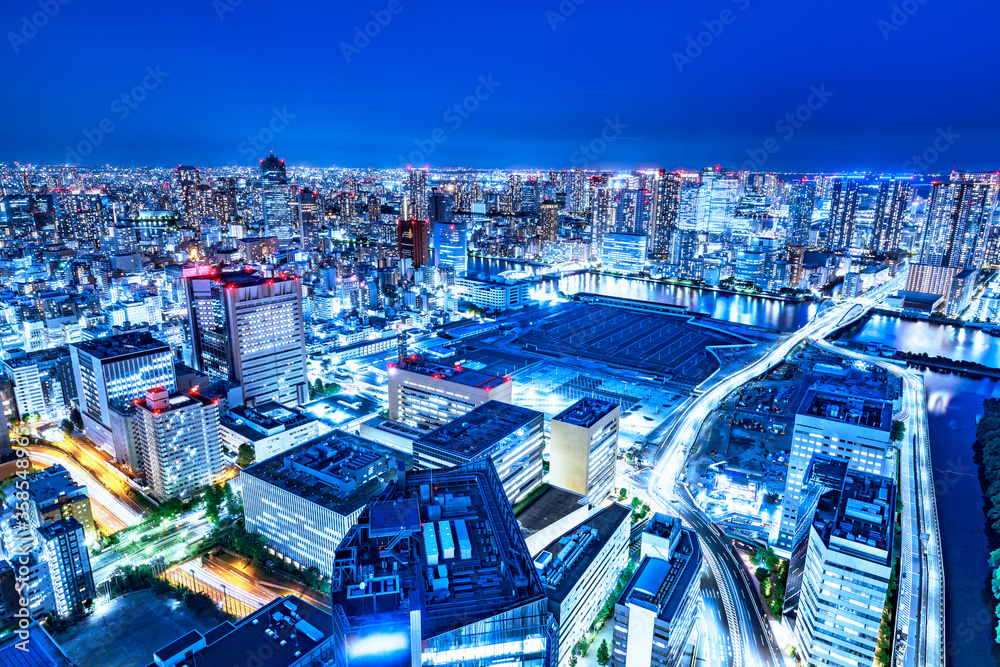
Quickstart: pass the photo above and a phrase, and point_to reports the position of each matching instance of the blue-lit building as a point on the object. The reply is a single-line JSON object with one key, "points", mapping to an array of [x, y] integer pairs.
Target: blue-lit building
{"points": [[624, 252], [436, 572], [275, 197], [451, 242]]}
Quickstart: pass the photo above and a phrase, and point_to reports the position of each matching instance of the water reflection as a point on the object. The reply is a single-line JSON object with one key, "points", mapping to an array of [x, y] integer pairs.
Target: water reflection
{"points": [[933, 338]]}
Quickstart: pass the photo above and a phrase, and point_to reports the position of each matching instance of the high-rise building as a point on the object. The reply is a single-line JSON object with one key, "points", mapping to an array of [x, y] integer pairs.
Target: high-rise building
{"points": [[451, 246], [440, 207], [548, 221], [411, 236], [225, 200], [248, 329], [666, 211], [115, 370], [624, 252], [848, 566], [305, 499], [43, 382], [64, 550], [309, 211], [632, 210], [890, 208], [602, 206], [275, 199], [53, 495], [576, 191], [508, 434], [515, 190], [416, 194], [802, 200], [428, 395], [179, 438], [583, 447], [655, 613], [853, 428], [844, 198], [436, 572]]}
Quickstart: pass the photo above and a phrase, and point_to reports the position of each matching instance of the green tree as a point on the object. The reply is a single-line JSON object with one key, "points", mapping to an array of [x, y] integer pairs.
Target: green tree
{"points": [[624, 493], [898, 430], [246, 455], [66, 426], [582, 646], [771, 559], [603, 653], [76, 418]]}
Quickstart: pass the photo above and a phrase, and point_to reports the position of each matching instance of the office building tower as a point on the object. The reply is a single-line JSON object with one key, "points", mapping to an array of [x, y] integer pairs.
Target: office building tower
{"points": [[844, 198], [848, 566], [548, 221], [248, 329], [576, 191], [305, 499], [802, 200], [602, 206], [63, 548], [440, 207], [890, 208], [436, 572], [270, 428], [655, 613], [580, 569], [853, 428], [114, 370], [53, 495], [178, 435], [428, 395], [275, 199], [508, 434], [308, 208], [451, 246], [583, 447], [43, 382], [411, 237], [625, 253], [416, 193], [632, 210]]}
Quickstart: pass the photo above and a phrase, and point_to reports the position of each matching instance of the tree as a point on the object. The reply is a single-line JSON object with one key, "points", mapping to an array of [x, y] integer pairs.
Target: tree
{"points": [[582, 646], [771, 559], [898, 430], [603, 653], [76, 418], [246, 455], [624, 493], [66, 426]]}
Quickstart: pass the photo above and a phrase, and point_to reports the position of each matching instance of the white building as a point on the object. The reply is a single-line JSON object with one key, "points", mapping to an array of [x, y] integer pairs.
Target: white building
{"points": [[63, 547], [583, 447], [624, 252], [270, 428], [493, 292]]}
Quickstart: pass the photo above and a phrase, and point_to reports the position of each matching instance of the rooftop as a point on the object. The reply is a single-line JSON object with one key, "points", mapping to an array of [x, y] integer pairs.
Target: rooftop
{"points": [[456, 373], [865, 518], [265, 419], [49, 484], [848, 409], [551, 506], [110, 347], [586, 412], [339, 470], [474, 433], [43, 651], [51, 529], [661, 585]]}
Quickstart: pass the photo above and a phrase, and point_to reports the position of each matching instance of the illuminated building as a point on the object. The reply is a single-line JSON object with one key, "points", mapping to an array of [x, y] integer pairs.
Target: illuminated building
{"points": [[890, 207], [115, 370], [440, 207], [548, 221], [655, 613], [436, 572], [624, 252], [43, 382], [428, 395], [63, 548], [579, 570], [853, 428], [666, 211], [417, 195], [275, 199], [411, 236], [800, 211], [451, 243], [843, 212], [53, 495], [249, 329], [576, 191], [508, 434], [178, 435], [583, 447], [848, 566], [270, 428], [494, 292], [305, 499], [309, 211]]}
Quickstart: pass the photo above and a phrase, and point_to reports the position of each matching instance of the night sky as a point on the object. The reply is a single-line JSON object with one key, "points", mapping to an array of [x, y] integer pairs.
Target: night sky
{"points": [[892, 78]]}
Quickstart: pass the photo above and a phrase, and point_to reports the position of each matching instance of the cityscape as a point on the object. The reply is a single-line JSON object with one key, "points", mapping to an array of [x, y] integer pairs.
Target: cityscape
{"points": [[568, 371]]}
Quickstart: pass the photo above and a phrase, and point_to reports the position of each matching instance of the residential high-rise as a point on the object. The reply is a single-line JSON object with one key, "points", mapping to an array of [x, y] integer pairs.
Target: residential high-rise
{"points": [[416, 193], [114, 370], [548, 221], [248, 328], [428, 395], [275, 198], [666, 211], [602, 207], [53, 495], [179, 438], [451, 246], [436, 572], [508, 434], [853, 428], [515, 190], [848, 566], [411, 236], [802, 200], [64, 550], [844, 198], [632, 209], [890, 207], [440, 207], [583, 447], [576, 191], [310, 215]]}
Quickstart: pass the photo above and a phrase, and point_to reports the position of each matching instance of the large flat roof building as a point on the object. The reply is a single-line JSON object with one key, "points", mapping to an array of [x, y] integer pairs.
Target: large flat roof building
{"points": [[270, 428], [508, 434], [583, 446]]}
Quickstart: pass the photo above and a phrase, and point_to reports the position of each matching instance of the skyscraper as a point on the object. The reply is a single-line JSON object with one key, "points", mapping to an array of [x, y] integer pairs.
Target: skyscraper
{"points": [[440, 207], [275, 199], [843, 212], [548, 221], [514, 189], [666, 210], [179, 438], [631, 211], [576, 191], [63, 546], [451, 245], [411, 235], [249, 329], [890, 207], [417, 195], [800, 209], [310, 215]]}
